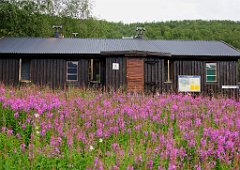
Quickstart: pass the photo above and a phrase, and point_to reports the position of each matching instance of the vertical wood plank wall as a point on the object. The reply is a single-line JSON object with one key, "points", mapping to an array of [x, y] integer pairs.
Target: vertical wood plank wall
{"points": [[52, 73], [153, 74], [227, 74], [135, 74], [115, 79], [48, 72], [9, 71]]}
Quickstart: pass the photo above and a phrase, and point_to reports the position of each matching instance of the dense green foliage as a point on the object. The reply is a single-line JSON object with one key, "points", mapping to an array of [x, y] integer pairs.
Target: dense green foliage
{"points": [[19, 22]]}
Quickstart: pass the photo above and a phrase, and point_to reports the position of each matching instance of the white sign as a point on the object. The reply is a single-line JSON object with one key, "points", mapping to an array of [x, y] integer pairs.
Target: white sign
{"points": [[115, 66], [230, 87], [189, 83]]}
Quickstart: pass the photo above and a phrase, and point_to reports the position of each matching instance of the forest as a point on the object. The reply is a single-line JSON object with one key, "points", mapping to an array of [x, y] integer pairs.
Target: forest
{"points": [[35, 19]]}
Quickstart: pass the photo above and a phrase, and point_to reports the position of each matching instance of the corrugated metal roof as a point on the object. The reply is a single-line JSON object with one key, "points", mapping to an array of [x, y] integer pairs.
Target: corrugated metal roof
{"points": [[96, 46]]}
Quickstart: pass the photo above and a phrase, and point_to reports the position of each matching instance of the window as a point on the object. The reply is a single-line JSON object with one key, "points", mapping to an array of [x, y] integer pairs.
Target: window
{"points": [[94, 70], [72, 71], [211, 72], [24, 70], [168, 71]]}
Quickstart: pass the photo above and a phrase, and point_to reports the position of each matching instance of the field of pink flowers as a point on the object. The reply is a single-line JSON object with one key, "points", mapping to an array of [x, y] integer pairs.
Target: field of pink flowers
{"points": [[77, 129]]}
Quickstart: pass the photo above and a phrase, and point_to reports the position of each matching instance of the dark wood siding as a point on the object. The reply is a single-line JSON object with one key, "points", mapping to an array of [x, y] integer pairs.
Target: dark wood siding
{"points": [[153, 74], [83, 72], [227, 74], [115, 79], [9, 71], [52, 73], [48, 72]]}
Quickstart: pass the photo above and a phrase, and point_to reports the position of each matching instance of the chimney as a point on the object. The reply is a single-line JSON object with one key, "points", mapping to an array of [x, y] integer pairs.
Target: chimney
{"points": [[140, 33], [56, 33], [74, 34]]}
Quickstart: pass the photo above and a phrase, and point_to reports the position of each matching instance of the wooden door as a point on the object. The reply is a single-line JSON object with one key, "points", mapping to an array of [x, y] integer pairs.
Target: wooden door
{"points": [[135, 74], [151, 77]]}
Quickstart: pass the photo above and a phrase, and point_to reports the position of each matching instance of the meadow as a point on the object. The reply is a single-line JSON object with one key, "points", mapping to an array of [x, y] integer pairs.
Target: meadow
{"points": [[83, 129]]}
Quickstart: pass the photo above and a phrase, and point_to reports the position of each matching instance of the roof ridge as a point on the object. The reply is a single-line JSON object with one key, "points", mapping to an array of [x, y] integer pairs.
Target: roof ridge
{"points": [[79, 38], [229, 45]]}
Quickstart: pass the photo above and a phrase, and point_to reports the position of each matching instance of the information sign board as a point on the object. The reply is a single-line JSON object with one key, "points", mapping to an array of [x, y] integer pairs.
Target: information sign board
{"points": [[189, 83]]}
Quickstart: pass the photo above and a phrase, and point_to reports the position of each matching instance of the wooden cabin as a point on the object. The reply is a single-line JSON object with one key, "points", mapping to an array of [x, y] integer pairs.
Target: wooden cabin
{"points": [[130, 64]]}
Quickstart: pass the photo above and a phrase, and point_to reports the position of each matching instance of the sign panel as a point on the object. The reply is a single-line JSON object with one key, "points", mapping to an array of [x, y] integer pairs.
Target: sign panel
{"points": [[115, 66], [230, 87], [189, 83]]}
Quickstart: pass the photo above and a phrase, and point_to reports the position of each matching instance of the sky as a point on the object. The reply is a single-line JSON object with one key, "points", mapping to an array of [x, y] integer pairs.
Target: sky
{"points": [[129, 11]]}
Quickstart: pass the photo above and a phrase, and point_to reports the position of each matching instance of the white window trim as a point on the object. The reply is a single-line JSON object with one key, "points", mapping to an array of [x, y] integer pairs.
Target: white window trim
{"points": [[20, 73], [168, 73], [99, 66], [216, 80], [20, 70], [70, 73]]}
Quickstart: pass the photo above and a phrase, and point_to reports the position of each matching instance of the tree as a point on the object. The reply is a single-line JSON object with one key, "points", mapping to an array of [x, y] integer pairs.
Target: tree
{"points": [[80, 9]]}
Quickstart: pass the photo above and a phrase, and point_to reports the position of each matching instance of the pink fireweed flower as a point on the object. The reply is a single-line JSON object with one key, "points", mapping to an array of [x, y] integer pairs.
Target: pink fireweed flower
{"points": [[197, 122], [174, 107], [150, 164], [99, 133], [96, 162], [22, 147], [130, 167], [172, 116], [9, 132], [53, 142], [203, 142], [238, 124], [23, 126], [115, 146], [115, 167], [59, 140], [146, 133], [229, 145], [197, 167], [139, 158], [4, 129], [18, 136], [70, 141], [172, 166], [16, 115], [42, 132]]}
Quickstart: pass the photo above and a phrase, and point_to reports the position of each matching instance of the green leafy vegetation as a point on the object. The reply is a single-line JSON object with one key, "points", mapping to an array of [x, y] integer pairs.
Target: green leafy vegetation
{"points": [[44, 129]]}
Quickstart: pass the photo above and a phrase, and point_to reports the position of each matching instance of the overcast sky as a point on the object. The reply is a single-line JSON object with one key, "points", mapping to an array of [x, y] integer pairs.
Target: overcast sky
{"points": [[129, 11]]}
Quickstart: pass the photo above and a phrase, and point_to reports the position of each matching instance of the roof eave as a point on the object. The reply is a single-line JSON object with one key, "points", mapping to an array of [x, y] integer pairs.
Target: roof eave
{"points": [[135, 53]]}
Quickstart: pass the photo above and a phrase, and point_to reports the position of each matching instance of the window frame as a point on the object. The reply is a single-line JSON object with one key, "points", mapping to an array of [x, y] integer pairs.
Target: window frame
{"points": [[170, 71], [67, 74], [91, 70], [20, 71], [216, 72]]}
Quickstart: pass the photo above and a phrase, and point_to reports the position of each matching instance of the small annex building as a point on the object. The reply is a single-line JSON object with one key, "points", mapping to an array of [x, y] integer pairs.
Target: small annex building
{"points": [[131, 64]]}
